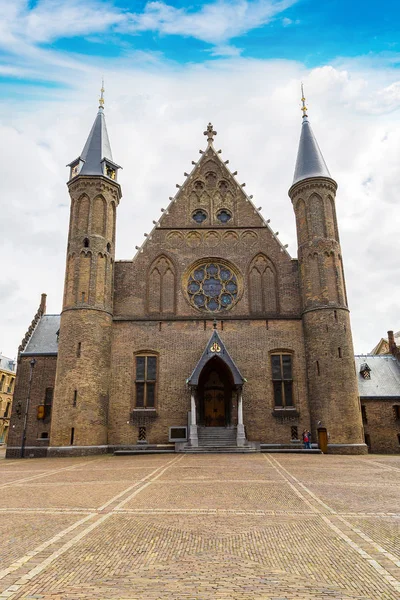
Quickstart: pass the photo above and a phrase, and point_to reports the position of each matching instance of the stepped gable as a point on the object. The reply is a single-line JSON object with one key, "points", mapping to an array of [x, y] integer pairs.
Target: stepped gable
{"points": [[40, 311], [44, 340]]}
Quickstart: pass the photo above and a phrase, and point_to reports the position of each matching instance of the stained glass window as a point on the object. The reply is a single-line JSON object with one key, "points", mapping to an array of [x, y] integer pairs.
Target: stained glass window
{"points": [[199, 216], [212, 287], [224, 216]]}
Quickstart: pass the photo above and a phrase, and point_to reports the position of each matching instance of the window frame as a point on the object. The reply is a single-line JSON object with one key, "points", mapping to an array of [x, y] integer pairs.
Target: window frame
{"points": [[282, 383], [145, 381]]}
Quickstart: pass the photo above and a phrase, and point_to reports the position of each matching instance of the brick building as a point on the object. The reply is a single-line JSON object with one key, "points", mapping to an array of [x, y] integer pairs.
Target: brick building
{"points": [[7, 381], [211, 328], [379, 387]]}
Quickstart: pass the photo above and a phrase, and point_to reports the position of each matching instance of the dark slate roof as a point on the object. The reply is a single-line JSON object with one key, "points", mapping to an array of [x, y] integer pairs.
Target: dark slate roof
{"points": [[209, 354], [310, 162], [7, 364], [385, 376], [97, 147], [44, 338]]}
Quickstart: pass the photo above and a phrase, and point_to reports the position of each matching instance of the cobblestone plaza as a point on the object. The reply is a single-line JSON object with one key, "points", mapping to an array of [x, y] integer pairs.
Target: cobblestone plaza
{"points": [[201, 527]]}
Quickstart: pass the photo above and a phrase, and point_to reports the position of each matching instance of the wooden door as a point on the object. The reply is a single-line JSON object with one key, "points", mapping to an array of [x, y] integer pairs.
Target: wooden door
{"points": [[214, 408], [323, 439]]}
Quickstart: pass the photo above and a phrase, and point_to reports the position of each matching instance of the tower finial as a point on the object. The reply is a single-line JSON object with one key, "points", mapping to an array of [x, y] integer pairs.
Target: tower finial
{"points": [[303, 101], [210, 133], [101, 100]]}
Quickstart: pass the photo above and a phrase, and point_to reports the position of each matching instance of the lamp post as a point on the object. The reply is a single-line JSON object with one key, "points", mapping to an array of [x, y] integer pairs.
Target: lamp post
{"points": [[32, 364]]}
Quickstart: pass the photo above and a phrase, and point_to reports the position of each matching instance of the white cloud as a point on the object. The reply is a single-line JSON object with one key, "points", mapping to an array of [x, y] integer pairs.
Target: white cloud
{"points": [[214, 23], [156, 113]]}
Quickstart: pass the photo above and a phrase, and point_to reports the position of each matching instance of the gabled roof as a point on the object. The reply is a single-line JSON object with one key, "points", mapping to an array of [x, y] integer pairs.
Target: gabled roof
{"points": [[44, 339], [310, 162], [215, 348], [384, 379], [210, 153], [382, 346]]}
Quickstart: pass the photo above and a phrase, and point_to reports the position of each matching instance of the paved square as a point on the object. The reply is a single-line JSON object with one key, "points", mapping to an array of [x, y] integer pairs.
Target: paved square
{"points": [[201, 527]]}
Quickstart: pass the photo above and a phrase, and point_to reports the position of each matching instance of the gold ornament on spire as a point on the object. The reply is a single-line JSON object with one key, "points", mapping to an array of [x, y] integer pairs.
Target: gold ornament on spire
{"points": [[210, 133], [303, 101], [101, 100]]}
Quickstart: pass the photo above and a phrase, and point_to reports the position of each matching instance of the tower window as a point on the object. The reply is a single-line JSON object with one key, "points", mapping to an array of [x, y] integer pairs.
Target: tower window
{"points": [[318, 370], [78, 350], [75, 400], [108, 247], [145, 381], [282, 380], [72, 436], [340, 352], [86, 243]]}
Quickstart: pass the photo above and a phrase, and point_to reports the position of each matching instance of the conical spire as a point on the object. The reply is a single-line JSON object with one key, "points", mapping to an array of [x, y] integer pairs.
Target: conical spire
{"points": [[96, 157], [97, 146], [310, 162]]}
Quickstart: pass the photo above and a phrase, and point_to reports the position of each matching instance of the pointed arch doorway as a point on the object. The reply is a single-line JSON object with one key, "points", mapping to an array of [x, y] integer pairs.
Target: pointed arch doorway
{"points": [[214, 394]]}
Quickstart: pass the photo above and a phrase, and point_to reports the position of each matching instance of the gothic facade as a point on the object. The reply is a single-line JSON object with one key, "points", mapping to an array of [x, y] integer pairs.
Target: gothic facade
{"points": [[212, 331]]}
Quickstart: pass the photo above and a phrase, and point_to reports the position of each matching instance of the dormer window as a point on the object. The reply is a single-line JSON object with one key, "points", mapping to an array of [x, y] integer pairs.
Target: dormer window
{"points": [[365, 371], [109, 168], [111, 172], [75, 167]]}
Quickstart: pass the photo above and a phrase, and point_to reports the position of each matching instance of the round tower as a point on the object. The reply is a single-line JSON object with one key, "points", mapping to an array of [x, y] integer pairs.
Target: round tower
{"points": [[80, 408], [332, 384]]}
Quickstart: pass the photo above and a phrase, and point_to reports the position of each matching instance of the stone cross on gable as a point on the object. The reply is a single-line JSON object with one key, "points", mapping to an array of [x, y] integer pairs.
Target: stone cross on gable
{"points": [[210, 133]]}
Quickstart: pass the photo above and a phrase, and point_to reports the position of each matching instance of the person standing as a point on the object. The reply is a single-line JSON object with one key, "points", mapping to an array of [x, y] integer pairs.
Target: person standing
{"points": [[305, 439]]}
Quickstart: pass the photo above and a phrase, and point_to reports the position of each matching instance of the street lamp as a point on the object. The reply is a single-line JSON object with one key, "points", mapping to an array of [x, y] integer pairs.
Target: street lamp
{"points": [[32, 364]]}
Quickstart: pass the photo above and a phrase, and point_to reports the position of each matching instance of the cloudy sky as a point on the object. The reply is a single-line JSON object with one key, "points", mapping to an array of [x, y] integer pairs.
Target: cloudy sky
{"points": [[169, 69]]}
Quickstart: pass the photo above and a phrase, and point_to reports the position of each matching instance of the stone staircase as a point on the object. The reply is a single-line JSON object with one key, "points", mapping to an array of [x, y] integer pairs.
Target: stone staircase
{"points": [[217, 440]]}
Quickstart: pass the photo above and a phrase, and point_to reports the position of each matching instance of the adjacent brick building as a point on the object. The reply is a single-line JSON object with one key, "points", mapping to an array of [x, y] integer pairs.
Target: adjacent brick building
{"points": [[212, 325]]}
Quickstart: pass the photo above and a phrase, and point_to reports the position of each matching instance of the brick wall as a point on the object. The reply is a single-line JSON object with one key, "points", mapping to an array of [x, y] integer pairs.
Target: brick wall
{"points": [[43, 376], [381, 425]]}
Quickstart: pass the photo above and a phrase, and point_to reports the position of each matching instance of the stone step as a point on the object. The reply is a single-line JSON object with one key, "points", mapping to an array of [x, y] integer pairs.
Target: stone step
{"points": [[219, 450], [126, 452], [292, 450]]}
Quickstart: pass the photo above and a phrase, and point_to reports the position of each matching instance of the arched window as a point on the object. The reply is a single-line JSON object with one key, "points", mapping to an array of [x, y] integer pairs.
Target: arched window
{"points": [[262, 286], [145, 380], [161, 287], [282, 379]]}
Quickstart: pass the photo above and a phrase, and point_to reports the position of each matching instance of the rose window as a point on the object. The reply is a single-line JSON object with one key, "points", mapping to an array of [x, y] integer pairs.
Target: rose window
{"points": [[212, 286]]}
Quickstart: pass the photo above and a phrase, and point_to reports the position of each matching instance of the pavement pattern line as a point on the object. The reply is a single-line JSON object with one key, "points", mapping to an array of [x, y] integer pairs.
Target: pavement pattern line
{"points": [[285, 474], [46, 474], [384, 467], [341, 518], [13, 589]]}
